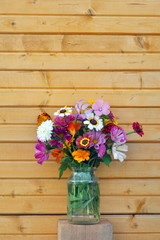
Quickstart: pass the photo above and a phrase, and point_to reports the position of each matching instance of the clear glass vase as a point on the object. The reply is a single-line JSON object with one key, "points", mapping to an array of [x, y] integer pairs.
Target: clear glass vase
{"points": [[83, 197]]}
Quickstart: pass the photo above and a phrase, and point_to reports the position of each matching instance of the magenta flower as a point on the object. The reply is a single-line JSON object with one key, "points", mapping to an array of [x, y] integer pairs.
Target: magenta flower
{"points": [[100, 107], [84, 141], [118, 134], [81, 108], [98, 138], [138, 128], [64, 121], [41, 152], [101, 150], [62, 134]]}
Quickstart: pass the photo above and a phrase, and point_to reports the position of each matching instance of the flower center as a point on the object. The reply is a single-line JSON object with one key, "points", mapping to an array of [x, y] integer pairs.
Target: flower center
{"points": [[63, 111], [84, 142], [95, 141], [93, 121]]}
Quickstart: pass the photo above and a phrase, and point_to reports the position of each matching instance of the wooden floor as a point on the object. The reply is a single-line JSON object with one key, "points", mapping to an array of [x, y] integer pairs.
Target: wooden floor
{"points": [[54, 53]]}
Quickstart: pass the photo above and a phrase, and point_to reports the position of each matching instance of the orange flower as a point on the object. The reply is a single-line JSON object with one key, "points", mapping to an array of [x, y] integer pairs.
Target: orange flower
{"points": [[42, 118], [81, 155], [73, 127], [58, 153]]}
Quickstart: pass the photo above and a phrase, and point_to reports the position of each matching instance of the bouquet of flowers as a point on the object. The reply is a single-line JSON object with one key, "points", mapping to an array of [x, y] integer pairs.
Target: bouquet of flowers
{"points": [[82, 138]]}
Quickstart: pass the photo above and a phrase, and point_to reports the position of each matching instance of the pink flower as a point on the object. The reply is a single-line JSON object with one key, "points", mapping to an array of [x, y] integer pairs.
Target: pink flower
{"points": [[63, 121], [82, 108], [84, 141], [41, 152], [101, 150], [98, 138], [118, 134], [100, 107]]}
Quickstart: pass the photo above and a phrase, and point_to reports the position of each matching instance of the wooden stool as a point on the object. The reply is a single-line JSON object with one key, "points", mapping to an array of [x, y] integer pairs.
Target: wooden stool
{"points": [[100, 231]]}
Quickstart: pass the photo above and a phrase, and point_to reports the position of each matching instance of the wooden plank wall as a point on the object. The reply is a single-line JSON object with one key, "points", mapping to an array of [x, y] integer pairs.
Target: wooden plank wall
{"points": [[54, 53]]}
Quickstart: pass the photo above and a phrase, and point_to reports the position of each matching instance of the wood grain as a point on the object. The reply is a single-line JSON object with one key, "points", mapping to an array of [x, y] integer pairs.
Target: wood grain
{"points": [[80, 24]]}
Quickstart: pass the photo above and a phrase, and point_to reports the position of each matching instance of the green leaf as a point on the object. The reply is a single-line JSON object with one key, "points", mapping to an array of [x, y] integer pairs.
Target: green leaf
{"points": [[107, 159], [62, 168]]}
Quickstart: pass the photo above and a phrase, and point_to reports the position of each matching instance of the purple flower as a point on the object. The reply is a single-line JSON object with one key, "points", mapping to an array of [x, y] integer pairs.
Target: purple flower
{"points": [[56, 143], [101, 150], [82, 109], [98, 138], [118, 134], [41, 152], [62, 134], [100, 107], [64, 121], [111, 116]]}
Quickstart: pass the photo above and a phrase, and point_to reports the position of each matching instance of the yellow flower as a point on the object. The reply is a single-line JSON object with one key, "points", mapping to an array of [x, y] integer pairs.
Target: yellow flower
{"points": [[42, 118], [81, 155], [107, 121]]}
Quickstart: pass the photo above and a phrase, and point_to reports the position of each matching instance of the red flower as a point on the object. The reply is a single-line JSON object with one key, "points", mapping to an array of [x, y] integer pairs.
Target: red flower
{"points": [[137, 128], [107, 128], [58, 153]]}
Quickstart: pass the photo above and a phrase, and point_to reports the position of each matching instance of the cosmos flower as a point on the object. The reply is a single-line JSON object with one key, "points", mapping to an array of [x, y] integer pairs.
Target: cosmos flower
{"points": [[93, 122], [118, 134], [101, 150], [41, 152], [100, 107], [116, 151], [82, 109], [44, 131], [98, 138]]}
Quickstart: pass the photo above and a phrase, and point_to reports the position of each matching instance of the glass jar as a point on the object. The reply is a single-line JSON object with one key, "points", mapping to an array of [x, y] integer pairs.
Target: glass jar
{"points": [[83, 197]]}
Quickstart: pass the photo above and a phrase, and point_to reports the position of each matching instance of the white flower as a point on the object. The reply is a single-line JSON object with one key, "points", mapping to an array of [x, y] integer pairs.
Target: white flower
{"points": [[65, 111], [44, 131], [93, 122], [116, 148]]}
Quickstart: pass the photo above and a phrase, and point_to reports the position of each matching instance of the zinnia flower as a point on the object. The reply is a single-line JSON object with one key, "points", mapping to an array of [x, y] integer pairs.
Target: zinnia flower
{"points": [[65, 111], [138, 128], [62, 134], [118, 134], [107, 128], [44, 131], [84, 141], [63, 121], [116, 151], [81, 155], [101, 107], [93, 122], [42, 118], [41, 152]]}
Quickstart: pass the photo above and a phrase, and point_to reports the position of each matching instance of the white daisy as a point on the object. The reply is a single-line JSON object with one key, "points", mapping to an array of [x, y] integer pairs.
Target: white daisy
{"points": [[93, 122], [116, 151], [65, 111], [44, 131]]}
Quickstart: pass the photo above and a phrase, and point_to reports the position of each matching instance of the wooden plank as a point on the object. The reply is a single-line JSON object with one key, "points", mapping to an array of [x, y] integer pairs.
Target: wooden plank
{"points": [[137, 151], [79, 24], [26, 133], [56, 187], [78, 43], [77, 79], [48, 224], [148, 236], [46, 204], [78, 61], [54, 98], [83, 7], [127, 169], [21, 115]]}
